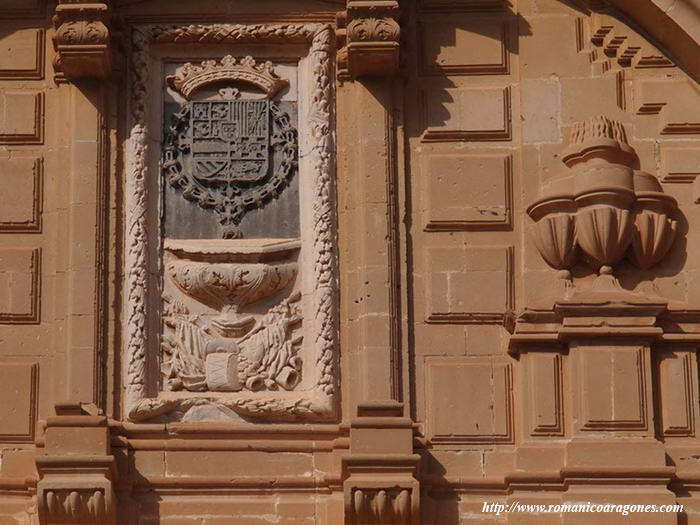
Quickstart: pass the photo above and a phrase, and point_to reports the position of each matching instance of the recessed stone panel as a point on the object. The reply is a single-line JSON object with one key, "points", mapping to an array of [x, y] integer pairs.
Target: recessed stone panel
{"points": [[468, 192], [677, 392], [545, 387], [464, 44], [613, 389], [18, 390], [20, 194], [19, 286], [21, 53], [474, 114], [22, 8], [680, 164], [468, 284], [485, 418], [21, 117]]}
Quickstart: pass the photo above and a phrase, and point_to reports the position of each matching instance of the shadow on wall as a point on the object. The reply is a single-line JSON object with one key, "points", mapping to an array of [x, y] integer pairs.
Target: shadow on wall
{"points": [[437, 91]]}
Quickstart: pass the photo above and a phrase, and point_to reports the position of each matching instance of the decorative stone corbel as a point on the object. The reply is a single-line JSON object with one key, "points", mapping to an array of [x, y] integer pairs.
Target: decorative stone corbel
{"points": [[77, 470], [380, 472], [84, 39], [368, 38]]}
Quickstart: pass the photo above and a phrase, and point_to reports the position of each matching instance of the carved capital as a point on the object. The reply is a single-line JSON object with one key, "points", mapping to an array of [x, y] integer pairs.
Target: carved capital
{"points": [[380, 473], [84, 40], [77, 471], [368, 38]]}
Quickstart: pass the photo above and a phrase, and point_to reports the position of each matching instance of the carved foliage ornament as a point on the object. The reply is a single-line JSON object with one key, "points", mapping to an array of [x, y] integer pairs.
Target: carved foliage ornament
{"points": [[84, 39], [232, 351], [603, 208], [218, 153], [368, 37], [247, 349]]}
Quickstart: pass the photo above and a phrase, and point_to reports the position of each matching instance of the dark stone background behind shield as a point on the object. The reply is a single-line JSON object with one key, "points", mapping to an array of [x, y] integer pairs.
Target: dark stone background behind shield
{"points": [[279, 217]]}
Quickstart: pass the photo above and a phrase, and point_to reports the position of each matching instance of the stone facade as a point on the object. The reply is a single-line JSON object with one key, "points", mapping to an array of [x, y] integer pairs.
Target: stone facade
{"points": [[348, 261]]}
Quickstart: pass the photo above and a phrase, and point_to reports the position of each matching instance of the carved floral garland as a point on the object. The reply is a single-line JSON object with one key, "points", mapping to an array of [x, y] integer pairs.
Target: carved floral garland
{"points": [[320, 401]]}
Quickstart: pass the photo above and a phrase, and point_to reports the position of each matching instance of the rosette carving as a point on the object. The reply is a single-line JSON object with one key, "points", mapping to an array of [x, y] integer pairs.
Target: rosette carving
{"points": [[603, 208]]}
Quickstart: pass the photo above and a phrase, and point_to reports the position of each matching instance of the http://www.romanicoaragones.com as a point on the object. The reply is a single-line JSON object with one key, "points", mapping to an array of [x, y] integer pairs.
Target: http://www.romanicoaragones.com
{"points": [[515, 507]]}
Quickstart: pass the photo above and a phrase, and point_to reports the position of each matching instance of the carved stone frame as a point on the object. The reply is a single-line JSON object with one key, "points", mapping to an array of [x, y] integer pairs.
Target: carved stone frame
{"points": [[320, 402]]}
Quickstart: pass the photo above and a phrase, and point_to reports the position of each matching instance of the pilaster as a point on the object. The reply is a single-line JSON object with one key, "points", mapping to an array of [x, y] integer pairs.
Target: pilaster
{"points": [[380, 471], [77, 469]]}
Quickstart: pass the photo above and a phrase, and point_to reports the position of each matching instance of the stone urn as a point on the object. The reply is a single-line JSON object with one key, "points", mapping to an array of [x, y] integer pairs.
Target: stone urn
{"points": [[229, 275], [602, 208]]}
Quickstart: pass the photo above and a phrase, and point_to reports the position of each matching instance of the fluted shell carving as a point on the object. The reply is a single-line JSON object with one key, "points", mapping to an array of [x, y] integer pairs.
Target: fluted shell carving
{"points": [[75, 506], [382, 506], [603, 205], [653, 236], [604, 233], [555, 239], [230, 286]]}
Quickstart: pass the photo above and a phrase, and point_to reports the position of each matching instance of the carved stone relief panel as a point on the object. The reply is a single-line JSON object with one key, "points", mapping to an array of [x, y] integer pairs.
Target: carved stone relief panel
{"points": [[231, 309]]}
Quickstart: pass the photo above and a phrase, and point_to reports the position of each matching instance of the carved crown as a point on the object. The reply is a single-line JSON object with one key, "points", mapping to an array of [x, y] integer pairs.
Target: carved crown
{"points": [[191, 78]]}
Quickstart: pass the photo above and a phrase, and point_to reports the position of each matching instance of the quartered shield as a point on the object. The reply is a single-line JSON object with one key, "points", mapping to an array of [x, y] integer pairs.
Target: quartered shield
{"points": [[230, 140]]}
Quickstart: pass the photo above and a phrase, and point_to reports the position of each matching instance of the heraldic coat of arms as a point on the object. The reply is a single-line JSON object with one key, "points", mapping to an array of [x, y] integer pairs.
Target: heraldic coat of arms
{"points": [[230, 155]]}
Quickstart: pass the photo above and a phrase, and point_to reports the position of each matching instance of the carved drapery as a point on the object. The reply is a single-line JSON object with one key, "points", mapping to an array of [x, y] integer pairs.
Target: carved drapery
{"points": [[369, 39], [85, 39], [192, 277]]}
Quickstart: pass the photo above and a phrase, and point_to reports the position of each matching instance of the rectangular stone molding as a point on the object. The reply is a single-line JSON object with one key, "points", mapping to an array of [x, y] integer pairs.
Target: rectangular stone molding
{"points": [[463, 5], [680, 164], [469, 284], [473, 114], [464, 44], [19, 285], [289, 275], [677, 372], [22, 8], [21, 117], [613, 387], [21, 53], [468, 192], [544, 384], [677, 115], [21, 184], [469, 400], [18, 390]]}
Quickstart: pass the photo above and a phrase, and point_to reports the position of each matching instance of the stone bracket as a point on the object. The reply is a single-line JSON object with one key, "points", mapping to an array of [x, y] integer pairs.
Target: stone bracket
{"points": [[85, 40], [380, 473], [77, 471], [368, 38]]}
